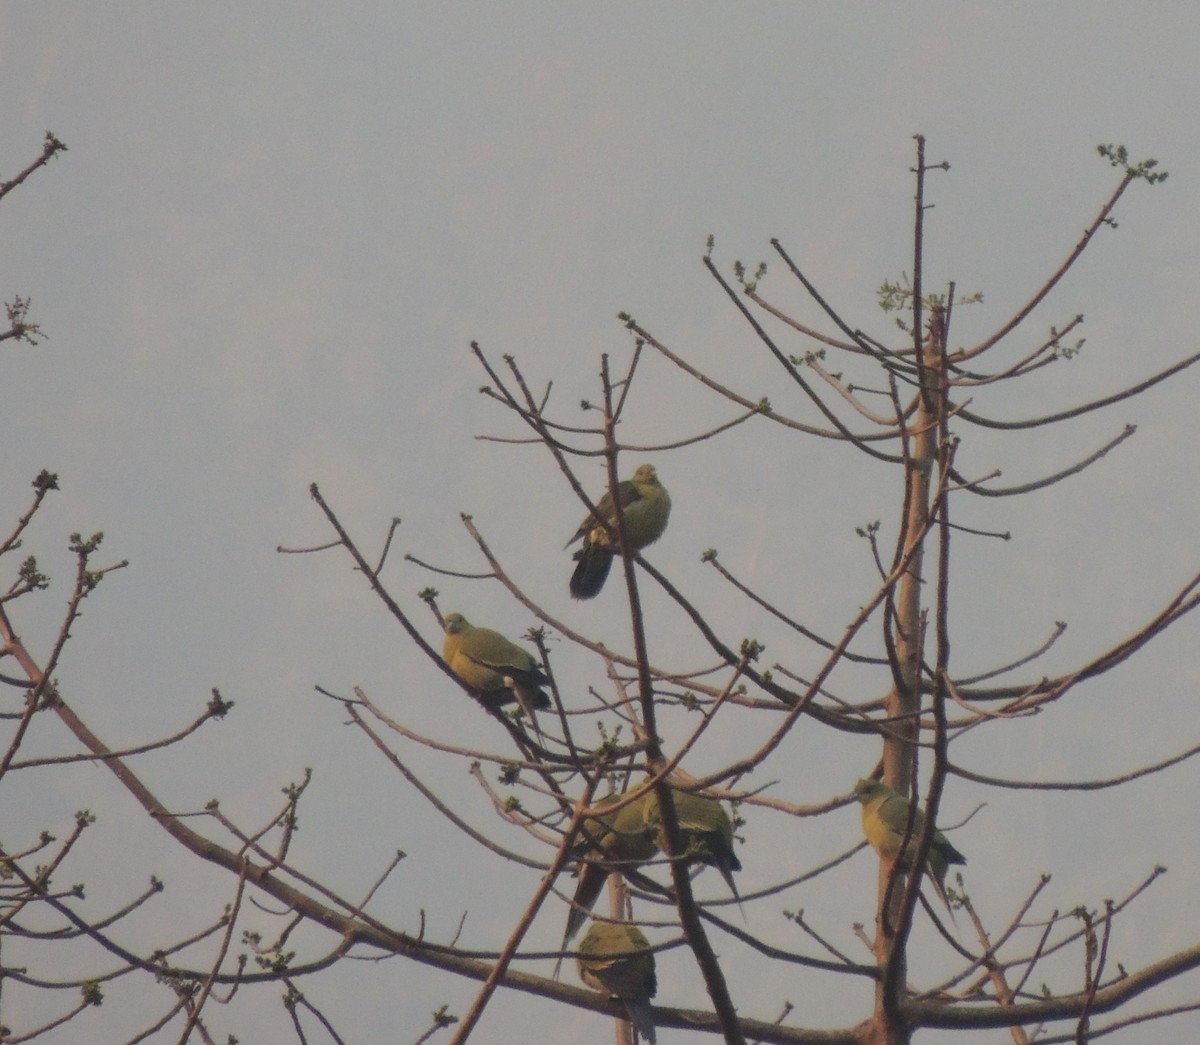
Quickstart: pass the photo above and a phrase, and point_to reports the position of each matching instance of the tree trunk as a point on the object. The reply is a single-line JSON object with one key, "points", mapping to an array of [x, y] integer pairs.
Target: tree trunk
{"points": [[904, 702]]}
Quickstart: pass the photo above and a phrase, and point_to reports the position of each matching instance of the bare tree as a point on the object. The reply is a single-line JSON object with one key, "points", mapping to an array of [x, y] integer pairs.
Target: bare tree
{"points": [[883, 677]]}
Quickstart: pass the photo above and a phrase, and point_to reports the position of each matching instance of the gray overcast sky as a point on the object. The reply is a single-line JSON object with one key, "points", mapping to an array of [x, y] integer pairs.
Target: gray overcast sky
{"points": [[261, 263]]}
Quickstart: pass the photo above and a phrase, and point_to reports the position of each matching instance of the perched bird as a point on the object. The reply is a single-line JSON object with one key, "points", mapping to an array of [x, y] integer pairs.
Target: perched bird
{"points": [[706, 829], [611, 843], [884, 819], [611, 964], [645, 507], [497, 670]]}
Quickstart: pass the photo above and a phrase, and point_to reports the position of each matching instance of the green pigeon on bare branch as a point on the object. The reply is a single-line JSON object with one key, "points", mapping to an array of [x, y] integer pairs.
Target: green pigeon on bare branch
{"points": [[645, 508], [611, 963], [885, 816], [499, 671], [706, 830], [610, 843]]}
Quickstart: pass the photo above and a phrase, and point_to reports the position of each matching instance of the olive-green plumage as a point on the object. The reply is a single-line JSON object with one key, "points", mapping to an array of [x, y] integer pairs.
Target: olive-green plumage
{"points": [[706, 829], [497, 670], [885, 815], [645, 508], [610, 843], [610, 964]]}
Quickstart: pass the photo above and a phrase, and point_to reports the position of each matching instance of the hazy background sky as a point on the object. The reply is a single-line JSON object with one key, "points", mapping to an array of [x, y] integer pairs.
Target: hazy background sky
{"points": [[261, 263]]}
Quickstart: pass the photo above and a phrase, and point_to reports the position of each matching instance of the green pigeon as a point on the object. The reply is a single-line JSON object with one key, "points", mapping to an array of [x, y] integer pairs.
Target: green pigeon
{"points": [[497, 670], [609, 843], [884, 819], [706, 829], [610, 964], [645, 507]]}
